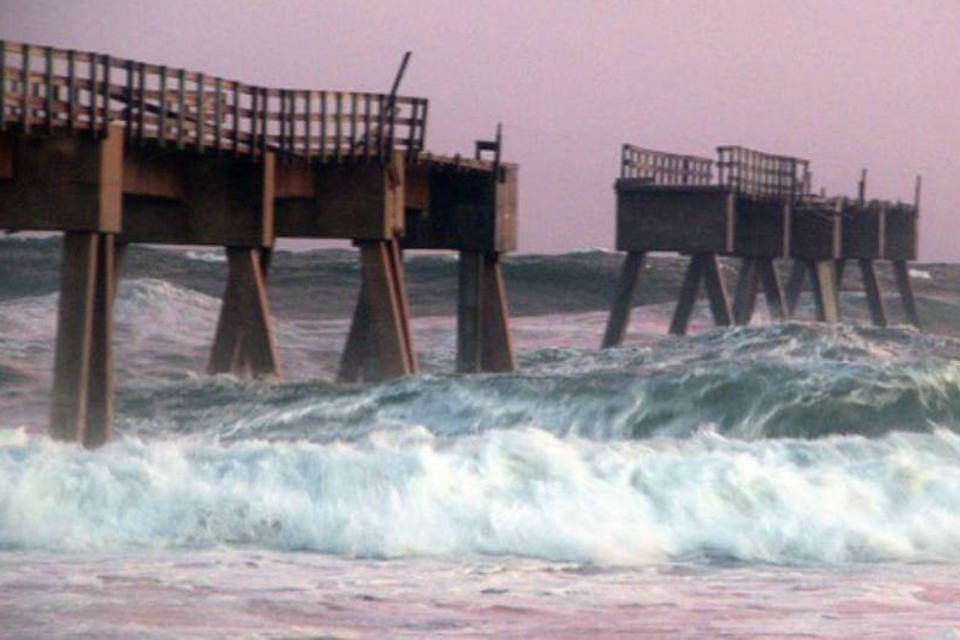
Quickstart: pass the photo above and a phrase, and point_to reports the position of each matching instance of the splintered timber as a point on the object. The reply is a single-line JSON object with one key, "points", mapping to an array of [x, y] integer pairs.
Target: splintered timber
{"points": [[113, 152]]}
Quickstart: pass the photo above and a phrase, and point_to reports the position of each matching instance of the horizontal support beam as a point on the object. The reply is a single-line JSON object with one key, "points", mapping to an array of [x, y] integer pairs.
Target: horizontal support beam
{"points": [[7, 149], [187, 198], [346, 201], [461, 210], [61, 183], [683, 219], [815, 233]]}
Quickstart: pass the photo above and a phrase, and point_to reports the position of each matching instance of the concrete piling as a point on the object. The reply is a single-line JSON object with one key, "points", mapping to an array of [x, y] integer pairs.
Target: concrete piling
{"points": [[114, 166]]}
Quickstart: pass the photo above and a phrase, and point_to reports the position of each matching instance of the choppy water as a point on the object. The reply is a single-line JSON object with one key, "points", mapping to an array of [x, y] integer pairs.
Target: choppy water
{"points": [[766, 481]]}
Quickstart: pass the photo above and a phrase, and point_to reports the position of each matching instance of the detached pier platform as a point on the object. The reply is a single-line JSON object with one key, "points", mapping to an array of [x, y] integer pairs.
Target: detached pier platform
{"points": [[112, 152], [757, 207]]}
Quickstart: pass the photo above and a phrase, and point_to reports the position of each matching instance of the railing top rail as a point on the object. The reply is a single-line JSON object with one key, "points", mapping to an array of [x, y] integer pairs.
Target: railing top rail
{"points": [[735, 148], [763, 175], [46, 89], [746, 172], [664, 168]]}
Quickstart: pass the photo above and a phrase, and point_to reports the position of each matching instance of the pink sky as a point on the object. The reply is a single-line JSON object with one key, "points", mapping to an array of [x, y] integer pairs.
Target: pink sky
{"points": [[846, 84]]}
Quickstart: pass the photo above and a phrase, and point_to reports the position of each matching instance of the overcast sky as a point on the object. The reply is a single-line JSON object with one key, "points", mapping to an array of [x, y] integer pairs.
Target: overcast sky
{"points": [[847, 85]]}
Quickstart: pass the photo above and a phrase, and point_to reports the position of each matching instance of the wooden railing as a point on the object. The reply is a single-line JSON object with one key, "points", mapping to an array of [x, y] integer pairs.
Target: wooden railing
{"points": [[664, 168], [763, 175], [45, 90]]}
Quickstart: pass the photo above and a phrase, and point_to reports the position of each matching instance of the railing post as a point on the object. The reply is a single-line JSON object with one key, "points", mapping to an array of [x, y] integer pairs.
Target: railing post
{"points": [[3, 84], [162, 121], [106, 62], [48, 88], [201, 112], [25, 88]]}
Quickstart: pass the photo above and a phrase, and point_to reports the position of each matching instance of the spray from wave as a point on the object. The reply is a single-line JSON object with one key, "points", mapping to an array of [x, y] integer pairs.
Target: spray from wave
{"points": [[782, 443], [522, 492]]}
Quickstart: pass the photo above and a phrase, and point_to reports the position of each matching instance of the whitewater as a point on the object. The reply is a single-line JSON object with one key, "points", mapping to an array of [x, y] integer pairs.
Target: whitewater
{"points": [[780, 479]]}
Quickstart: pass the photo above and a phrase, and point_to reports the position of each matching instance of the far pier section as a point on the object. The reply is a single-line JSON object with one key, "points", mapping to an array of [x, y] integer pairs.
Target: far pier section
{"points": [[757, 207]]}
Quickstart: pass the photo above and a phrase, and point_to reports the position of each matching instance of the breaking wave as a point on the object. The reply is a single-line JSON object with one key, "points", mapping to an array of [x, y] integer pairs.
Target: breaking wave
{"points": [[521, 492]]}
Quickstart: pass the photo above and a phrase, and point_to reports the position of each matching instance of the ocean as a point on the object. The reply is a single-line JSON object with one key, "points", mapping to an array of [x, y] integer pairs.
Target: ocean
{"points": [[778, 480]]}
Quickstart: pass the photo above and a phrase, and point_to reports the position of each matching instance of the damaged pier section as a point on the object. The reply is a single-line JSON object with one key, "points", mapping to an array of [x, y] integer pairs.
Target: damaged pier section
{"points": [[113, 152], [758, 208]]}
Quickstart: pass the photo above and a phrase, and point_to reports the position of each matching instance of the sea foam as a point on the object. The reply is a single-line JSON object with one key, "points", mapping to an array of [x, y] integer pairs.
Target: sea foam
{"points": [[519, 493]]}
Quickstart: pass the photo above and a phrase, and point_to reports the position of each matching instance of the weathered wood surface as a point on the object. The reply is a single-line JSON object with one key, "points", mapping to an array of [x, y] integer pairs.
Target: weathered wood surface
{"points": [[772, 290], [815, 231], [347, 201], [688, 297], [758, 207], [745, 295], [116, 151], [697, 219], [702, 267], [823, 287], [620, 310], [469, 311], [798, 274], [902, 276], [823, 275], [63, 183], [716, 291], [187, 198], [659, 167], [864, 230], [763, 175], [71, 369], [756, 274], [900, 235], [81, 407], [483, 329], [871, 289], [100, 402], [244, 343], [44, 89], [379, 344], [461, 208], [496, 354]]}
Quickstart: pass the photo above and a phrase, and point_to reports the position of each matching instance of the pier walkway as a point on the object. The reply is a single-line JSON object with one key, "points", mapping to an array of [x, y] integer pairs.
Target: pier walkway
{"points": [[112, 151], [757, 207]]}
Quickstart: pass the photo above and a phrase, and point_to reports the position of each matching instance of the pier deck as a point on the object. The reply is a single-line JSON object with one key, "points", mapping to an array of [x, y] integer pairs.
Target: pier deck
{"points": [[757, 207], [113, 151]]}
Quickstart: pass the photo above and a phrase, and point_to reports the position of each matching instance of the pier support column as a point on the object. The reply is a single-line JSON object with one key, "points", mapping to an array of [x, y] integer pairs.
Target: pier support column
{"points": [[798, 273], [496, 344], [620, 310], [823, 279], [872, 290], [772, 290], [755, 272], [379, 345], [745, 296], [716, 291], [688, 296], [902, 275], [399, 275], [483, 321], [703, 266], [469, 303], [244, 343], [82, 398], [841, 267], [354, 356], [823, 276]]}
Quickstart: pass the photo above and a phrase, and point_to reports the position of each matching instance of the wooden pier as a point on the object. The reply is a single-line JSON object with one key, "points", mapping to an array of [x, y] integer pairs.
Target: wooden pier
{"points": [[759, 208], [112, 152]]}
